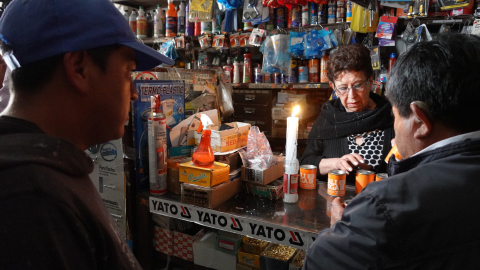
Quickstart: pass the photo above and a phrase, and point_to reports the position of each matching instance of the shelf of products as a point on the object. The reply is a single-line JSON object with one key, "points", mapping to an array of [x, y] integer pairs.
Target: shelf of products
{"points": [[295, 225], [437, 20], [280, 86]]}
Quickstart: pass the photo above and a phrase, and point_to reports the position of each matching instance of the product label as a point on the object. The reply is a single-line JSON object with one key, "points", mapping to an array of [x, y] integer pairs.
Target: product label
{"points": [[133, 26], [171, 28], [141, 27], [181, 25], [292, 180]]}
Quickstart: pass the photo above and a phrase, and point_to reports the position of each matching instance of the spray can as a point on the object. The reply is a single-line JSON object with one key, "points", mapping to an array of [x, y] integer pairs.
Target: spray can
{"points": [[306, 15], [313, 70], [331, 11], [157, 148], [349, 11], [323, 69], [247, 66], [258, 74], [236, 70], [189, 26], [198, 29], [313, 14], [340, 11], [132, 21], [296, 16], [271, 19], [280, 14], [181, 19], [293, 78]]}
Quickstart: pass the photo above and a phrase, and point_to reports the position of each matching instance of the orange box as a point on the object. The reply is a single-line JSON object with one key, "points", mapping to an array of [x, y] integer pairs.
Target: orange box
{"points": [[205, 177]]}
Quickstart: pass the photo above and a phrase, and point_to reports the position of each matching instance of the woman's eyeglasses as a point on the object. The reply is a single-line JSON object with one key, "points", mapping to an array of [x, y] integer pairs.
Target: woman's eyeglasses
{"points": [[359, 87]]}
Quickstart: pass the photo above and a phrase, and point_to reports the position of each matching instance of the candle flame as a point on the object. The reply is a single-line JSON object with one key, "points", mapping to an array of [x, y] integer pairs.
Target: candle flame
{"points": [[296, 110]]}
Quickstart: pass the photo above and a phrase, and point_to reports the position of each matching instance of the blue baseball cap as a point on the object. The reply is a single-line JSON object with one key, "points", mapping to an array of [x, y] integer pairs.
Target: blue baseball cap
{"points": [[38, 29]]}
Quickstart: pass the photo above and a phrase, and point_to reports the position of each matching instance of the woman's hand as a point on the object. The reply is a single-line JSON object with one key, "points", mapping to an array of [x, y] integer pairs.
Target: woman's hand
{"points": [[346, 163]]}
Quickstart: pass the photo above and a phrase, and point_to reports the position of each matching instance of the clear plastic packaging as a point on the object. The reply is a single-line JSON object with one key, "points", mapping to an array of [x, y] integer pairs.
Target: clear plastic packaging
{"points": [[259, 154], [201, 11]]}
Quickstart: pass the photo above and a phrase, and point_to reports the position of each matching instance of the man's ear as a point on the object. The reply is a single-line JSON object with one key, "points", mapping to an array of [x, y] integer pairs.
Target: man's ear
{"points": [[423, 125], [78, 66]]}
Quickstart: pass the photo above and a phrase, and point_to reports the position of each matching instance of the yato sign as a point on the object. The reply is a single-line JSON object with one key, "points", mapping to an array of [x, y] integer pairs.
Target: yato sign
{"points": [[276, 234]]}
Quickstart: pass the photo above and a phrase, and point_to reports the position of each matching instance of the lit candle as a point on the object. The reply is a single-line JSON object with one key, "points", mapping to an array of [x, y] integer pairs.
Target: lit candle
{"points": [[292, 135], [290, 176]]}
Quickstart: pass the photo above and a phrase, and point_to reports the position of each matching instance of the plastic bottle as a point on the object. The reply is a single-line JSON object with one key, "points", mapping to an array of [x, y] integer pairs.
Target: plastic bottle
{"points": [[171, 26], [150, 24], [382, 77], [228, 70], [159, 23], [181, 19], [247, 66], [189, 26], [203, 156], [126, 15], [236, 70], [141, 24], [132, 20], [391, 62]]}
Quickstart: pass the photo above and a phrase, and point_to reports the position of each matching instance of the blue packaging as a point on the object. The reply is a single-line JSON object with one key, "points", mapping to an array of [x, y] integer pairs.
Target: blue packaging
{"points": [[172, 94], [284, 78], [277, 77], [313, 13], [303, 74]]}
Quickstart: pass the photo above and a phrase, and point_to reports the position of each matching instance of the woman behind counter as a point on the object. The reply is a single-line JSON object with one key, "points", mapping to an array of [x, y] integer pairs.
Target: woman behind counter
{"points": [[355, 130]]}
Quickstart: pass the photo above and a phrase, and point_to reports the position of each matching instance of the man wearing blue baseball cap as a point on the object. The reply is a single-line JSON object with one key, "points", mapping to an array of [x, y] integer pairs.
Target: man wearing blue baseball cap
{"points": [[71, 88]]}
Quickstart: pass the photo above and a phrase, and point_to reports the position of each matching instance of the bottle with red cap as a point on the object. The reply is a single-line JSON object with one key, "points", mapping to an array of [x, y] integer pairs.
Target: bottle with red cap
{"points": [[391, 62], [203, 156]]}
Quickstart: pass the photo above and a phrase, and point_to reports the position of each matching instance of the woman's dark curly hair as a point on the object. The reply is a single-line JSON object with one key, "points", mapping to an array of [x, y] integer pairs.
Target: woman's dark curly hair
{"points": [[353, 57]]}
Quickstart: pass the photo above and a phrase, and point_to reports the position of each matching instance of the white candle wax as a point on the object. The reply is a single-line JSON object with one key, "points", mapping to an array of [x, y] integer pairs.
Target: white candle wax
{"points": [[292, 135]]}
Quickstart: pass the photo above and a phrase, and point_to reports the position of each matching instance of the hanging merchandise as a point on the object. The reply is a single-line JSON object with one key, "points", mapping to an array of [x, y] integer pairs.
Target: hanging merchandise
{"points": [[168, 49], [317, 41], [295, 44], [244, 39], [256, 37], [180, 42], [159, 24], [252, 9], [347, 37], [364, 20], [206, 28], [386, 27], [171, 26], [338, 41], [204, 42], [231, 4], [181, 19], [375, 57], [202, 60], [333, 38], [218, 41], [234, 40], [201, 11]]}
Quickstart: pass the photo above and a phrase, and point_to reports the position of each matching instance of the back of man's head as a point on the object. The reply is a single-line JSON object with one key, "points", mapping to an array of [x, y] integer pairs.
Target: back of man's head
{"points": [[440, 73]]}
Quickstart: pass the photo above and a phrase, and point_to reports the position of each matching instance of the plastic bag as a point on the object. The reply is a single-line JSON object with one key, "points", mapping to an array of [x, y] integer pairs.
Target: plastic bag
{"points": [[295, 43], [225, 92], [168, 49], [259, 154]]}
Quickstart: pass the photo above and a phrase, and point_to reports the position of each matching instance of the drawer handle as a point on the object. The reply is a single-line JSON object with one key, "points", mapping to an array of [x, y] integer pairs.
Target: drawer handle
{"points": [[250, 97], [117, 216], [110, 186], [249, 110]]}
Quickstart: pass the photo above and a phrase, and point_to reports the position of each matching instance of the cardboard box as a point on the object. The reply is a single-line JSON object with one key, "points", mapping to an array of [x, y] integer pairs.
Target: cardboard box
{"points": [[251, 248], [283, 97], [205, 177], [233, 160], [228, 242], [206, 255], [281, 112], [173, 175], [272, 191], [268, 263], [227, 140], [247, 259], [163, 241], [183, 243], [210, 197], [297, 261], [266, 176]]}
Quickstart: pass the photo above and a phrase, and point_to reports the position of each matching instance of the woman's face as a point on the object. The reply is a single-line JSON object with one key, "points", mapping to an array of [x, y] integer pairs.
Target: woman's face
{"points": [[356, 99]]}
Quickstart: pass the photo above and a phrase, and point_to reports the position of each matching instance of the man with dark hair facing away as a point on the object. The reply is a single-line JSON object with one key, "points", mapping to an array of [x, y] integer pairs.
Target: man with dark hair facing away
{"points": [[71, 63], [425, 215]]}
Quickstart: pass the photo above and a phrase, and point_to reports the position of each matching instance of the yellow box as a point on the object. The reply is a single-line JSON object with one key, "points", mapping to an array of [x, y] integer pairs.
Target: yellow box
{"points": [[205, 177], [248, 259]]}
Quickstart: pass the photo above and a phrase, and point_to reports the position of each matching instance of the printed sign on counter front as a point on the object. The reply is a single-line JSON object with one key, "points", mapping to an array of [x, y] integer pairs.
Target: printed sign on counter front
{"points": [[215, 219]]}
